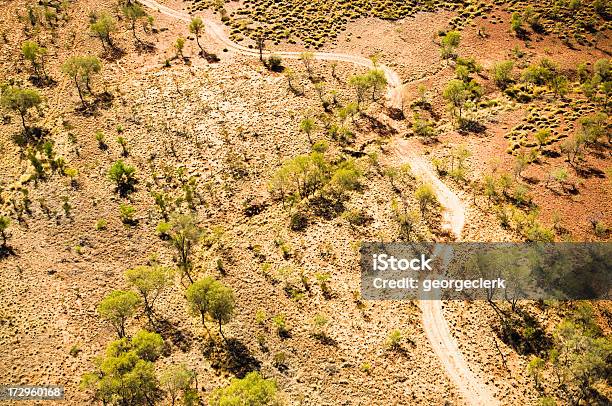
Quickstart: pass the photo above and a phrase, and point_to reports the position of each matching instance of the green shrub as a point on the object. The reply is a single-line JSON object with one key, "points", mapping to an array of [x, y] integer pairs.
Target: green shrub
{"points": [[502, 73], [274, 63], [163, 229], [394, 339], [124, 177], [601, 230], [5, 222], [127, 212], [299, 221], [101, 225], [280, 324], [251, 390], [450, 41], [516, 23]]}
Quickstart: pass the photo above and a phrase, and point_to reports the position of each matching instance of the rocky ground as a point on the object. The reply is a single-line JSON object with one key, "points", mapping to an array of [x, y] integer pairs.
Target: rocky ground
{"points": [[229, 126]]}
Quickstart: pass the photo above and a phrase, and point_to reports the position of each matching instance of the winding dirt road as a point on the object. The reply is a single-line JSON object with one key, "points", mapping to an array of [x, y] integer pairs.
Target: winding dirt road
{"points": [[436, 328], [217, 31]]}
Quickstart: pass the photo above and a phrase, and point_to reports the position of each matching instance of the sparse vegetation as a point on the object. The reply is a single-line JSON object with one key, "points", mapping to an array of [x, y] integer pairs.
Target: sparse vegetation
{"points": [[263, 182]]}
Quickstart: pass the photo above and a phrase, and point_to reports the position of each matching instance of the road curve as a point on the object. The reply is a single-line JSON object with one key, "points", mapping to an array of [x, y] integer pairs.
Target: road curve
{"points": [[217, 31], [436, 328]]}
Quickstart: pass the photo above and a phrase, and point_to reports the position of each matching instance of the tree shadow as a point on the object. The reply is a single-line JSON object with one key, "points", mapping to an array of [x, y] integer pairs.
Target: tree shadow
{"points": [[104, 100], [325, 339], [353, 153], [395, 113], [7, 251], [42, 81], [232, 356], [113, 54], [379, 127], [524, 334], [142, 46], [127, 187], [471, 126], [551, 153], [210, 57], [32, 137], [401, 349], [181, 339], [589, 172], [326, 208]]}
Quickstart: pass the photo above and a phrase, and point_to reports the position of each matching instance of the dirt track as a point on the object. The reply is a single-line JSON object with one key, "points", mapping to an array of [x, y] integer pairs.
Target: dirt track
{"points": [[472, 389]]}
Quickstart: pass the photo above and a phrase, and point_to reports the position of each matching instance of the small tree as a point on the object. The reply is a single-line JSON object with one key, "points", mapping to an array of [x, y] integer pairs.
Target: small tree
{"points": [[502, 73], [184, 235], [81, 69], [455, 93], [250, 390], [5, 222], [123, 144], [407, 220], [542, 137], [291, 78], [179, 45], [149, 281], [124, 177], [20, 101], [178, 379], [126, 375], [196, 27], [573, 148], [307, 59], [133, 12], [117, 308], [450, 42], [261, 45], [593, 128], [36, 55], [516, 23], [199, 298], [426, 196], [377, 82], [221, 305], [534, 368], [103, 27], [307, 126], [361, 85]]}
